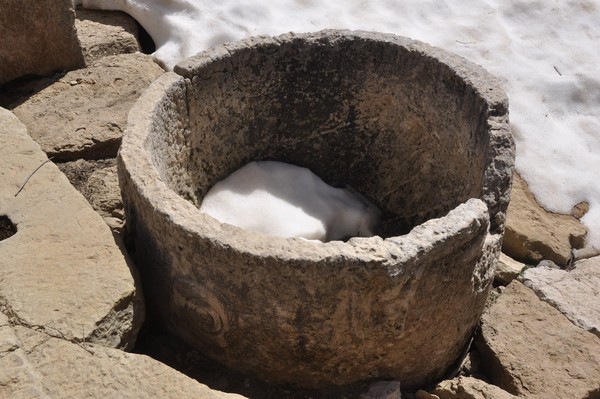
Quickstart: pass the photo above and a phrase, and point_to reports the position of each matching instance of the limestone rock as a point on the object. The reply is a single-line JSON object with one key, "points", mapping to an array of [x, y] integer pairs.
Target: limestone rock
{"points": [[37, 37], [576, 293], [469, 388], [533, 234], [84, 114], [507, 269], [62, 272], [35, 365], [531, 350], [103, 33]]}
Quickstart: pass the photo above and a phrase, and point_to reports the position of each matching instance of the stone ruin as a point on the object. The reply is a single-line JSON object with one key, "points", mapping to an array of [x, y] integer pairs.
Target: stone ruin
{"points": [[422, 133]]}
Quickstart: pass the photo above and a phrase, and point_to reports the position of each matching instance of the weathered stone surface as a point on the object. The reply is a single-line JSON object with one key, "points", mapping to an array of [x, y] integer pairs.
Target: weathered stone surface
{"points": [[84, 114], [507, 269], [103, 33], [61, 272], [533, 234], [37, 38], [310, 314], [469, 388], [531, 350], [99, 184], [575, 293], [35, 365]]}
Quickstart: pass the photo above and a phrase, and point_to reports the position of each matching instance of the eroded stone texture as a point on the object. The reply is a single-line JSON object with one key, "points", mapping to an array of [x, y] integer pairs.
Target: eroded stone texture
{"points": [[35, 365], [356, 108], [531, 350], [84, 114], [533, 234], [62, 272], [37, 37], [103, 33], [575, 293]]}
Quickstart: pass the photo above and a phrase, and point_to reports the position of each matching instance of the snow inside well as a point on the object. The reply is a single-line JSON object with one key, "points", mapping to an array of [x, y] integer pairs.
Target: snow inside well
{"points": [[279, 199], [545, 52]]}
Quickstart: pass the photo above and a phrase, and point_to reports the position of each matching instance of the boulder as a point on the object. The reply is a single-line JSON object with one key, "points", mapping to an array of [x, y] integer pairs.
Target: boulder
{"points": [[84, 113], [533, 234], [507, 269], [103, 33], [35, 365], [575, 293], [469, 388], [531, 350], [38, 38], [61, 272]]}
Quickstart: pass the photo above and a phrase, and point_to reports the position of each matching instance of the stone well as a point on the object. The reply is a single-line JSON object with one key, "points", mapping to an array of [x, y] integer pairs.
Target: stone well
{"points": [[422, 133]]}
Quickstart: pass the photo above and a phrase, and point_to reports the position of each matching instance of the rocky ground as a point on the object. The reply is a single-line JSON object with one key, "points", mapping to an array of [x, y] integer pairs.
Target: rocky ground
{"points": [[66, 323]]}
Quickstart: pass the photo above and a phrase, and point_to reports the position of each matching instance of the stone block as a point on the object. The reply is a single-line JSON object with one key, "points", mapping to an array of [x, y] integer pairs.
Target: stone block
{"points": [[529, 349], [38, 38], [61, 272]]}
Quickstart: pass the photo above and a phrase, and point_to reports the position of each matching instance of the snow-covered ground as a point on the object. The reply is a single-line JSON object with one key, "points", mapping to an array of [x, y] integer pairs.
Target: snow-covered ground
{"points": [[547, 53]]}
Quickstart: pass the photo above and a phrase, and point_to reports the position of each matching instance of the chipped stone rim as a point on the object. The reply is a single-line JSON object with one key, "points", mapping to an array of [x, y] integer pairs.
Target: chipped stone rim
{"points": [[135, 162]]}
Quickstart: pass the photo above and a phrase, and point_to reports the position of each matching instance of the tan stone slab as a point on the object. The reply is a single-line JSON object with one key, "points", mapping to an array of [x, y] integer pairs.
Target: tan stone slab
{"points": [[575, 293], [469, 388], [62, 271], [37, 37], [533, 234], [531, 350], [103, 33], [84, 114], [35, 365]]}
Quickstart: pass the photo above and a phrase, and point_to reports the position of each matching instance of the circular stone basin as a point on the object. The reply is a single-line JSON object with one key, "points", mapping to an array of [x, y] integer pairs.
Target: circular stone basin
{"points": [[420, 132]]}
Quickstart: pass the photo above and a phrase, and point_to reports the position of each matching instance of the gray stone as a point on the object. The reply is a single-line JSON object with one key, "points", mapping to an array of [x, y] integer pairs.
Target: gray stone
{"points": [[533, 234], [35, 365], [575, 293], [531, 350], [37, 38], [83, 114], [103, 33], [507, 269], [383, 390], [469, 388], [422, 133], [62, 272]]}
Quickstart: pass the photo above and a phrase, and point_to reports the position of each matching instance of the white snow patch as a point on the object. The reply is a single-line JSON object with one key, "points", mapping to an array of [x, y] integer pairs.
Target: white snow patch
{"points": [[545, 52], [279, 199]]}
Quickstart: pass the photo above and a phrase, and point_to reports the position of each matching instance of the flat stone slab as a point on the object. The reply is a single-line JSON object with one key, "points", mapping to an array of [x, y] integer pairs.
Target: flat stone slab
{"points": [[38, 37], [35, 365], [467, 388], [533, 234], [531, 350], [84, 114], [62, 272], [103, 33], [575, 293]]}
